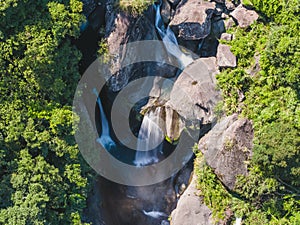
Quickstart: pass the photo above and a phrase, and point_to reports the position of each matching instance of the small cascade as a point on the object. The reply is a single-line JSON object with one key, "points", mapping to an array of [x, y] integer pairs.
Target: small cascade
{"points": [[169, 39], [155, 214], [104, 139], [150, 132]]}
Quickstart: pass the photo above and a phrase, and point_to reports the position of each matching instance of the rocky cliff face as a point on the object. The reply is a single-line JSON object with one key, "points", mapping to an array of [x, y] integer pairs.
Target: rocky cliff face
{"points": [[198, 25]]}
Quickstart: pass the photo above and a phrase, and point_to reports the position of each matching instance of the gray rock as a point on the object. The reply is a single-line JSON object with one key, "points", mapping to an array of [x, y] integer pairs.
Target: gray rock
{"points": [[192, 19], [190, 209], [226, 37], [174, 2], [122, 29], [225, 57], [244, 17], [194, 94], [255, 68], [229, 5], [192, 98], [227, 148], [166, 11], [211, 64], [224, 16], [165, 222], [229, 23], [218, 28]]}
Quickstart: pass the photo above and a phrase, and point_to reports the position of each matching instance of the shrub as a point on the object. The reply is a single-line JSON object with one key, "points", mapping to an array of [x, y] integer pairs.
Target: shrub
{"points": [[135, 6]]}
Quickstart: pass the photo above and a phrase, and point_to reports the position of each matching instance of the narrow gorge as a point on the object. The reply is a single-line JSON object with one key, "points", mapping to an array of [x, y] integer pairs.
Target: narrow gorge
{"points": [[150, 112], [190, 55]]}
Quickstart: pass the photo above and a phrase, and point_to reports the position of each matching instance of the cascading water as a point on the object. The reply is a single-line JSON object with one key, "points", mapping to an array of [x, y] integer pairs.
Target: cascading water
{"points": [[152, 204], [104, 139], [149, 132], [169, 39]]}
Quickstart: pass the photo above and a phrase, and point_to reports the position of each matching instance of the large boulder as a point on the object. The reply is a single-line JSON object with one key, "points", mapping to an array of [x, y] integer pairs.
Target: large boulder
{"points": [[192, 19], [122, 29], [190, 209], [194, 94], [225, 58], [244, 16], [192, 98], [227, 148]]}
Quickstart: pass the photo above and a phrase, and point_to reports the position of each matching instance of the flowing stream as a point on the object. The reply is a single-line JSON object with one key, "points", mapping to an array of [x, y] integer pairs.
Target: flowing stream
{"points": [[104, 139], [150, 129], [150, 132], [116, 204], [169, 39]]}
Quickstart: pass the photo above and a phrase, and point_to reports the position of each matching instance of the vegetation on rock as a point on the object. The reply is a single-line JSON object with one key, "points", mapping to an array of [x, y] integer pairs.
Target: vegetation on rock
{"points": [[265, 88], [134, 6]]}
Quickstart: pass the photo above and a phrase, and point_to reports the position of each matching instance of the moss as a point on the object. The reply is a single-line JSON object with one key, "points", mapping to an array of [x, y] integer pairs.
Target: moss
{"points": [[270, 98], [135, 7]]}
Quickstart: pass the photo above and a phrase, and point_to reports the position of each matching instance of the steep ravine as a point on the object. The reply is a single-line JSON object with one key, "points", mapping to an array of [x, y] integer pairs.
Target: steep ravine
{"points": [[198, 25]]}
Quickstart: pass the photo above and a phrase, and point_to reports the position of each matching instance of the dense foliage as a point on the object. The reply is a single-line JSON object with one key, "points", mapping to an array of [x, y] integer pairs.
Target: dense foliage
{"points": [[134, 6], [42, 177], [265, 88]]}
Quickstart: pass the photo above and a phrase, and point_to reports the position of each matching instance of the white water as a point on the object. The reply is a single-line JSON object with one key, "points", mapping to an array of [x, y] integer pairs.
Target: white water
{"points": [[238, 221], [151, 133], [169, 39], [155, 214], [150, 130], [104, 139]]}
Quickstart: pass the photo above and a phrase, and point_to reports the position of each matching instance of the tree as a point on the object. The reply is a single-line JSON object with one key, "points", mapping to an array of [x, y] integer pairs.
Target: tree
{"points": [[43, 177]]}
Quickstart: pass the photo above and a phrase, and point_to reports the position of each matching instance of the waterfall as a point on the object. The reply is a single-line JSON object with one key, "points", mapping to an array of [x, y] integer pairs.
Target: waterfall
{"points": [[104, 139], [155, 214], [169, 39], [150, 132]]}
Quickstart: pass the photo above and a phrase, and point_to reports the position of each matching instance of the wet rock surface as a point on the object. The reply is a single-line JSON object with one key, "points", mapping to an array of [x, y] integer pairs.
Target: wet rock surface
{"points": [[117, 204], [198, 25]]}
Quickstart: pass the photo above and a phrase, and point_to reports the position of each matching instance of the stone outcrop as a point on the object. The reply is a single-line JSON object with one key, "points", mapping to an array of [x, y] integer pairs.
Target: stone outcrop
{"points": [[225, 58], [174, 2], [193, 97], [192, 19], [190, 209], [194, 94], [227, 148], [226, 37], [243, 16], [122, 29], [229, 5], [166, 11]]}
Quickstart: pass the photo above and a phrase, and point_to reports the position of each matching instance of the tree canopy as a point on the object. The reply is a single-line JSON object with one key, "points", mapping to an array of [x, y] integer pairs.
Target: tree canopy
{"points": [[42, 176]]}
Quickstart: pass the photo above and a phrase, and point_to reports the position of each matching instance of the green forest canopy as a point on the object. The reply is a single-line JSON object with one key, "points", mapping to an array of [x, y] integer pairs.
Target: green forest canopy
{"points": [[42, 177]]}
